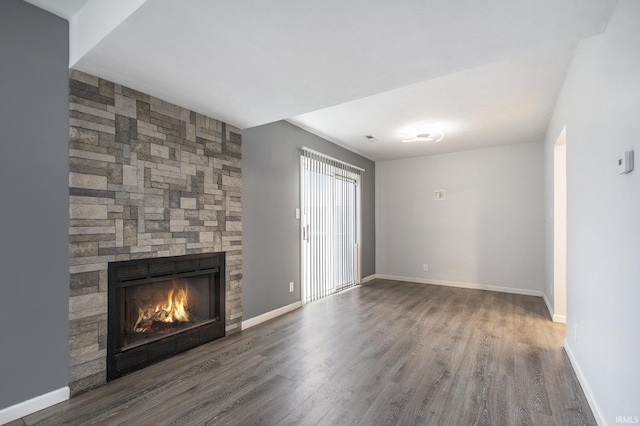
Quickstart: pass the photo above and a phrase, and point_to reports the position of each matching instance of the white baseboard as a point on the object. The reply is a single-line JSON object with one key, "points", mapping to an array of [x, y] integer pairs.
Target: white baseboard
{"points": [[270, 315], [556, 318], [591, 399], [549, 307], [523, 291], [369, 278], [32, 405], [560, 318]]}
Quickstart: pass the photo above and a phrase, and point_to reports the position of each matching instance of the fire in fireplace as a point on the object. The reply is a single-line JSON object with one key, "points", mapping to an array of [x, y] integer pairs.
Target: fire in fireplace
{"points": [[164, 308], [171, 312], [159, 307]]}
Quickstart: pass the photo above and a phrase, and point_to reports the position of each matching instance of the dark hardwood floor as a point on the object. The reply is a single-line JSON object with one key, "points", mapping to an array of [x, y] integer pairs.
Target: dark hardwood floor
{"points": [[384, 353]]}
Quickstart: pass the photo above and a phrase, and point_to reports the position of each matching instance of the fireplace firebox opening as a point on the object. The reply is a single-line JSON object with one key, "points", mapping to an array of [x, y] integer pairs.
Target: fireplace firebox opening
{"points": [[162, 306]]}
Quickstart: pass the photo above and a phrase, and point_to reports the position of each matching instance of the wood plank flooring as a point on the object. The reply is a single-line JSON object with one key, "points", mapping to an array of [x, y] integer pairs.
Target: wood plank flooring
{"points": [[386, 353]]}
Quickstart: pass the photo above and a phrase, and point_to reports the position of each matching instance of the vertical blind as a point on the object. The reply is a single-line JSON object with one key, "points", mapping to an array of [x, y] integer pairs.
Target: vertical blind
{"points": [[330, 227]]}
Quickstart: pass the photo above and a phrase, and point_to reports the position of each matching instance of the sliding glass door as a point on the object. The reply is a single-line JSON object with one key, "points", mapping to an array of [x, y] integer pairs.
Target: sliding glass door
{"points": [[330, 225]]}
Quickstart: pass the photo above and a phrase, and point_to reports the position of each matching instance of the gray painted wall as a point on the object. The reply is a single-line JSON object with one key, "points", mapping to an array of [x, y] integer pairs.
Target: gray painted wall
{"points": [[34, 260], [270, 195], [600, 105], [488, 230]]}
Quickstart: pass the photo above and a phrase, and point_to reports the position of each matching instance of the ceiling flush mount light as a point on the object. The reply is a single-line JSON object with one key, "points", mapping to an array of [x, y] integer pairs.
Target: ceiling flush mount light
{"points": [[430, 135]]}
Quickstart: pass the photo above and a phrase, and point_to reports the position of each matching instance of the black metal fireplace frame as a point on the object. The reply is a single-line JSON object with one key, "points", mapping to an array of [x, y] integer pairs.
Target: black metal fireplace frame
{"points": [[144, 271]]}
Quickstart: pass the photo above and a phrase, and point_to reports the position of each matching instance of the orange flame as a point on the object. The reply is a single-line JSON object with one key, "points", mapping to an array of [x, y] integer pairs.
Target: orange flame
{"points": [[172, 310]]}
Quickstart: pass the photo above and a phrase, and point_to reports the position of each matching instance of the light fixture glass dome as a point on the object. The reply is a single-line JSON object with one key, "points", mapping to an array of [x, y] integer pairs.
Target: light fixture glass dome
{"points": [[425, 135]]}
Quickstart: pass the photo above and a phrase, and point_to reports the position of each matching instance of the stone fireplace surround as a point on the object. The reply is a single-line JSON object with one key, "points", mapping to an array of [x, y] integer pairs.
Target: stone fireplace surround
{"points": [[146, 179]]}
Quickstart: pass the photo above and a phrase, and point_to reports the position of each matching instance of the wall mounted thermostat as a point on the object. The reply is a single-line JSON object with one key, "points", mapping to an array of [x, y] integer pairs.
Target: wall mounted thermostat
{"points": [[625, 163]]}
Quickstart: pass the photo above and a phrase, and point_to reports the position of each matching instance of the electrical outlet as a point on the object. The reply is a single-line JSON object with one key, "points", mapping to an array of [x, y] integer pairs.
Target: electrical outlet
{"points": [[425, 267], [291, 287]]}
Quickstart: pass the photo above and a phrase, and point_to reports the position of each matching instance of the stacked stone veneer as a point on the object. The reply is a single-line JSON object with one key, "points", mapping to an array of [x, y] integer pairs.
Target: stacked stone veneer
{"points": [[147, 179]]}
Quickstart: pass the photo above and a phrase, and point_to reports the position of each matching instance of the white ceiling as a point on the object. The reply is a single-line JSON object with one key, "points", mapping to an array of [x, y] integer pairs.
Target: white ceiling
{"points": [[487, 71], [501, 103]]}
